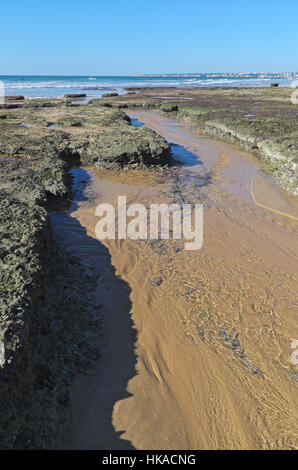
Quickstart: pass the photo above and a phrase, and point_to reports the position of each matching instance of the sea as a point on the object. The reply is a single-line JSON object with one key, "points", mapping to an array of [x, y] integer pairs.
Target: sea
{"points": [[94, 86]]}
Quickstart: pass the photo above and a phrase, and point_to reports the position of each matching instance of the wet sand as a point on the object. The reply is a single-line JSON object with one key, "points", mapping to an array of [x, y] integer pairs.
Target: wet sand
{"points": [[201, 361]]}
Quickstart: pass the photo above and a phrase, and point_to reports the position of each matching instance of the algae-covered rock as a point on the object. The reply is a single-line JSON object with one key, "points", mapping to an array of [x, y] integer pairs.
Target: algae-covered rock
{"points": [[137, 148], [169, 107], [75, 95], [44, 339], [14, 97], [109, 95], [266, 124], [86, 134]]}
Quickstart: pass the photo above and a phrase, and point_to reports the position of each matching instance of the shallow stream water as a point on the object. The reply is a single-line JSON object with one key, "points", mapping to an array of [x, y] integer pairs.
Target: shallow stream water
{"points": [[200, 360]]}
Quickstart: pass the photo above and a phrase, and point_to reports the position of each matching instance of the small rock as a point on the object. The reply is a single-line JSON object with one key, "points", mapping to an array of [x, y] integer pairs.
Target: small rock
{"points": [[15, 97], [201, 332], [189, 290], [235, 341], [75, 95], [156, 281], [109, 95]]}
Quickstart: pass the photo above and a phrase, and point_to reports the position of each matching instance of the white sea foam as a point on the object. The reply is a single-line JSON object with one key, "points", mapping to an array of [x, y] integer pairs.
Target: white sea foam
{"points": [[57, 86]]}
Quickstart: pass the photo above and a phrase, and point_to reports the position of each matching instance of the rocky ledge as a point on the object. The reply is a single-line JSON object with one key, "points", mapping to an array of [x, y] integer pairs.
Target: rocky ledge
{"points": [[91, 133], [44, 340]]}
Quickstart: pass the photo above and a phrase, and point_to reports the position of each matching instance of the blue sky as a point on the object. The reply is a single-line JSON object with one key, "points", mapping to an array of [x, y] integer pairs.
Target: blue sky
{"points": [[115, 37]]}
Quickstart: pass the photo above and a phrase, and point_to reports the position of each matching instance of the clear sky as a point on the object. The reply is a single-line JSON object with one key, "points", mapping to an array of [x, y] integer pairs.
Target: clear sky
{"points": [[122, 37]]}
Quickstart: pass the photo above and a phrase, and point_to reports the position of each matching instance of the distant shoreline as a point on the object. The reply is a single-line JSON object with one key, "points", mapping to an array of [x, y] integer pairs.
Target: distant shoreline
{"points": [[224, 74]]}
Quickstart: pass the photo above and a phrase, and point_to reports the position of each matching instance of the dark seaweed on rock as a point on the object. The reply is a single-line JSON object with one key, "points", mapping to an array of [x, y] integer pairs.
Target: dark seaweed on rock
{"points": [[43, 339]]}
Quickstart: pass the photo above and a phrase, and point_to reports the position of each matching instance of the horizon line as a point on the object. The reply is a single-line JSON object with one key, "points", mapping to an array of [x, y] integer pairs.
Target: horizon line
{"points": [[146, 74]]}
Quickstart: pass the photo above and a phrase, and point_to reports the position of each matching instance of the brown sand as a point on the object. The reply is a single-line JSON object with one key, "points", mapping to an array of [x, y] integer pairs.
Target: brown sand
{"points": [[173, 375]]}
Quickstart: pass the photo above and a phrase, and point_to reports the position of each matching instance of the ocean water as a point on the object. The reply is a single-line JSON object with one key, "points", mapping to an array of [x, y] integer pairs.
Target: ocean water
{"points": [[95, 86]]}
